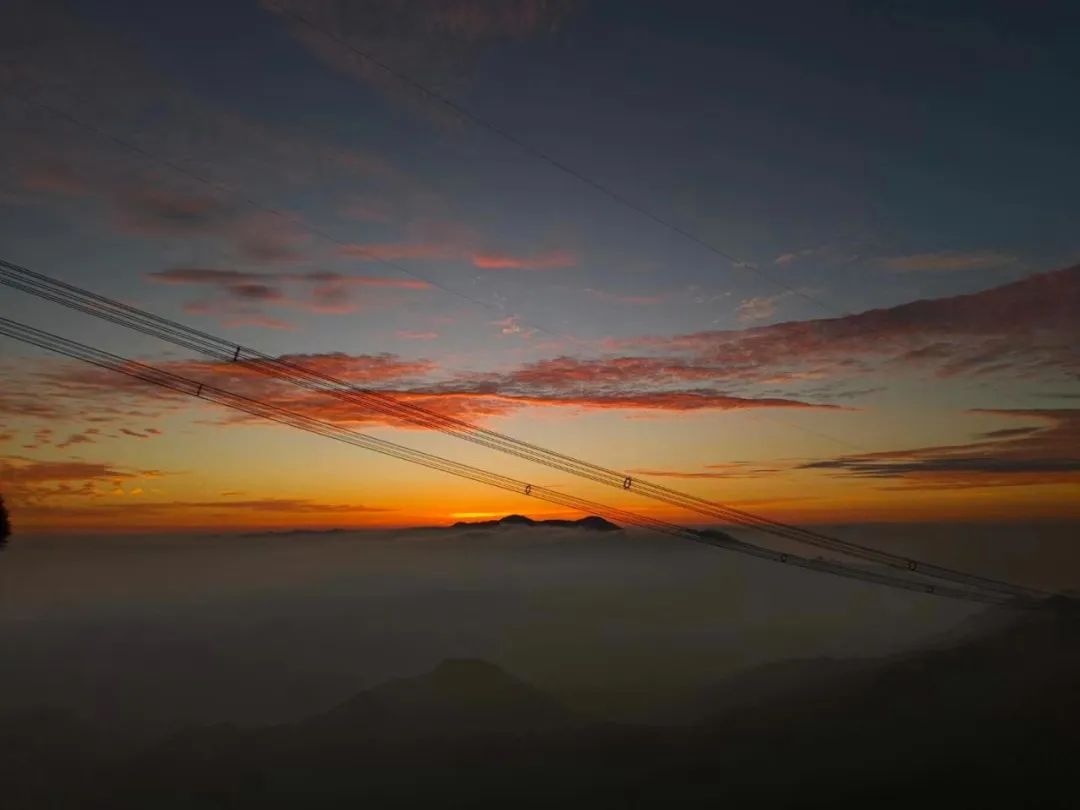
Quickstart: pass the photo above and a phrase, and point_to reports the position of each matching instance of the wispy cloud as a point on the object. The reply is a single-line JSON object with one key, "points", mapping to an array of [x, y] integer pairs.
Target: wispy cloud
{"points": [[760, 308], [459, 250], [711, 471], [31, 481], [436, 41], [946, 261], [238, 296], [1026, 328], [542, 261], [624, 298], [408, 334], [1046, 452]]}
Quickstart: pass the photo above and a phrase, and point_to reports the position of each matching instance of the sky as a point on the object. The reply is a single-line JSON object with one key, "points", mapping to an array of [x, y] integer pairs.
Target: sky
{"points": [[818, 261]]}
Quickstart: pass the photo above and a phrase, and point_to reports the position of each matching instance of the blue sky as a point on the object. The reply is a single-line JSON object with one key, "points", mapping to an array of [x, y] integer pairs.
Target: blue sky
{"points": [[851, 156]]}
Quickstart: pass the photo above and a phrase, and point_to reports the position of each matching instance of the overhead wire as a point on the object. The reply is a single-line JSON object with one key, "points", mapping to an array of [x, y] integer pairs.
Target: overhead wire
{"points": [[266, 410], [284, 216], [392, 406], [211, 346], [218, 186], [460, 110]]}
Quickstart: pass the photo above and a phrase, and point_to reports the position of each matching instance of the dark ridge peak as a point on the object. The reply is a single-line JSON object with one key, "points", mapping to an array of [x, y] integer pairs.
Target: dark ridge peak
{"points": [[591, 523], [518, 519], [460, 697], [469, 673], [467, 666], [596, 523]]}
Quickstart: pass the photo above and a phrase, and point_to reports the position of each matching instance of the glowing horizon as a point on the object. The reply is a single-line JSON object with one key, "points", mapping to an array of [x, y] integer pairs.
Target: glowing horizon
{"points": [[899, 349]]}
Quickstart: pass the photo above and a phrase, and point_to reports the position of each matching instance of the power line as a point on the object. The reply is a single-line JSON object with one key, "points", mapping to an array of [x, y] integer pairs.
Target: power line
{"points": [[322, 233], [475, 119], [268, 209], [262, 409], [224, 351]]}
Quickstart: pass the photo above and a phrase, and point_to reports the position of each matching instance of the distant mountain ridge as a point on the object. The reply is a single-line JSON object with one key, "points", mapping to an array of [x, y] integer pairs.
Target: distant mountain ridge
{"points": [[986, 723], [460, 697], [591, 523]]}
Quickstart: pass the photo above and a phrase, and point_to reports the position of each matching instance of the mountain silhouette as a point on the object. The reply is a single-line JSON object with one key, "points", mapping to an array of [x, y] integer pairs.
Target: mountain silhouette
{"points": [[591, 523], [988, 722], [459, 698]]}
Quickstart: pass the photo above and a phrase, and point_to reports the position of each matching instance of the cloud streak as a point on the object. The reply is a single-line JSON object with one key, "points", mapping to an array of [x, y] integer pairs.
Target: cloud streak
{"points": [[435, 41], [947, 261], [29, 481], [1027, 328], [237, 296], [1047, 452]]}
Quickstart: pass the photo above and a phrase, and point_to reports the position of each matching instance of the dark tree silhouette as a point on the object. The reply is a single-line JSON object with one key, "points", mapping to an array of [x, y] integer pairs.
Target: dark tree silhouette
{"points": [[5, 524]]}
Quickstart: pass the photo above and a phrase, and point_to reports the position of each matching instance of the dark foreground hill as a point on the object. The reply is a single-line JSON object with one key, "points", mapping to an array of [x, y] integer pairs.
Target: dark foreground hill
{"points": [[591, 523], [989, 722]]}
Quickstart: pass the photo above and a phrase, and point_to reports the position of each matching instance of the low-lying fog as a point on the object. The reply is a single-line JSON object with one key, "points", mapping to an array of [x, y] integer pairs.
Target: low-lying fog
{"points": [[151, 633]]}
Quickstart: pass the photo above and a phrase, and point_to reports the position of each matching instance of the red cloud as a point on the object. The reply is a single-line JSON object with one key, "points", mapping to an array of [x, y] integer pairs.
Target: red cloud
{"points": [[1028, 327], [464, 397], [480, 405], [567, 372], [456, 251], [363, 369], [543, 261]]}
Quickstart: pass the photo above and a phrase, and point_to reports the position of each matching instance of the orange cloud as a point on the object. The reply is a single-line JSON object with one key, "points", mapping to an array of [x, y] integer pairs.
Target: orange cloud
{"points": [[28, 481], [543, 261]]}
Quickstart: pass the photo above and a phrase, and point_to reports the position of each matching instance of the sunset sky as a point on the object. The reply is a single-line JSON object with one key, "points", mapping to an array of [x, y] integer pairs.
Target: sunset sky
{"points": [[892, 335]]}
